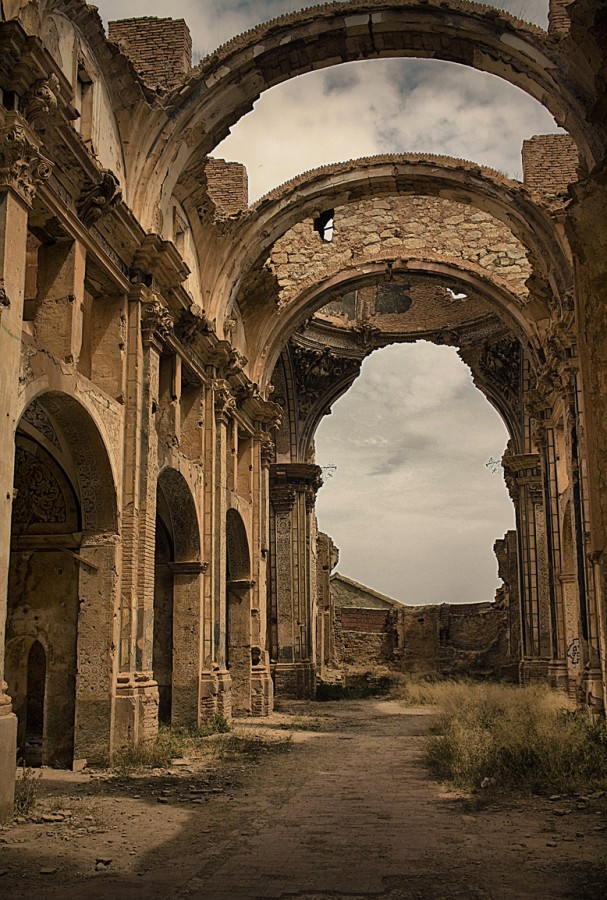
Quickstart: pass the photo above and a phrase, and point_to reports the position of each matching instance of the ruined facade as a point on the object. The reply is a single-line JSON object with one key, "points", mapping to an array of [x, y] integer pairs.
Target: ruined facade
{"points": [[168, 351]]}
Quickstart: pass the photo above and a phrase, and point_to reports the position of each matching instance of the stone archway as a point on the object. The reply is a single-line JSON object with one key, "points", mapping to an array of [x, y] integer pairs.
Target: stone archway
{"points": [[238, 612], [177, 601], [226, 85], [62, 586]]}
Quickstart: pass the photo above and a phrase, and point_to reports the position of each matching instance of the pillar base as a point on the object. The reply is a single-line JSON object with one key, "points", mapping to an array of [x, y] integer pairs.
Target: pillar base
{"points": [[534, 670], [593, 691], [224, 694], [8, 758], [209, 689], [294, 681], [558, 676], [136, 714], [262, 691]]}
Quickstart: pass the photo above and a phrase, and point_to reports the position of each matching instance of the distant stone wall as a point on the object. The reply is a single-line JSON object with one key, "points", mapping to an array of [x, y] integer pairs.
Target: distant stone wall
{"points": [[160, 49], [363, 639], [550, 163]]}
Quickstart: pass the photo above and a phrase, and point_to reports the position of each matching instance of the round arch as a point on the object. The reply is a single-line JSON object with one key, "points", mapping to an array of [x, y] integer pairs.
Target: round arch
{"points": [[269, 333], [62, 417], [443, 177], [181, 510], [226, 84]]}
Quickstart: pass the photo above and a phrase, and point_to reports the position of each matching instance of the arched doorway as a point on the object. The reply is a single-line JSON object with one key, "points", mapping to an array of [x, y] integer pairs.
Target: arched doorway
{"points": [[238, 613], [176, 656], [57, 644]]}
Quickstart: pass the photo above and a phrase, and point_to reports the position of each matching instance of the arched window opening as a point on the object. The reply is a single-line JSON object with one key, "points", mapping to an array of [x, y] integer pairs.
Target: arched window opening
{"points": [[324, 225]]}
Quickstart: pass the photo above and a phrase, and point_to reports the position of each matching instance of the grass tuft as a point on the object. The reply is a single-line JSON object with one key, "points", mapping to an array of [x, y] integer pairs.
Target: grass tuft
{"points": [[26, 790], [514, 739]]}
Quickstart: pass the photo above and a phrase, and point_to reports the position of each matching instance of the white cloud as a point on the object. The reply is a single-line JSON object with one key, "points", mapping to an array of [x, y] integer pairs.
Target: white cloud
{"points": [[416, 513]]}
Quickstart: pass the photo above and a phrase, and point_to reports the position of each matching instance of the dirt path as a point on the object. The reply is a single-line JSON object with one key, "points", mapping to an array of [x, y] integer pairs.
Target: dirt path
{"points": [[347, 811]]}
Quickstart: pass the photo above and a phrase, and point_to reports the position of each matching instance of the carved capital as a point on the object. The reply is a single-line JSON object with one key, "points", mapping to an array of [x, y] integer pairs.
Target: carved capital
{"points": [[318, 371], [268, 453], [224, 402], [156, 322], [282, 498], [40, 103], [98, 198], [535, 492], [22, 167]]}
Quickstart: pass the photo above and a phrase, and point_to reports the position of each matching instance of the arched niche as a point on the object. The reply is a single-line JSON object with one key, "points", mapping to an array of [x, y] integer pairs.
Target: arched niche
{"points": [[238, 612], [62, 583], [177, 600]]}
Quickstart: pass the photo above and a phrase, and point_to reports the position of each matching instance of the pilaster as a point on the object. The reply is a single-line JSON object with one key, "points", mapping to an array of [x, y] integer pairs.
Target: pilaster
{"points": [[293, 489], [22, 169]]}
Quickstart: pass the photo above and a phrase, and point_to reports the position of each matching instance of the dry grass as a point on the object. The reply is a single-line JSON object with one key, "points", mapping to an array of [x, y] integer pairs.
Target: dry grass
{"points": [[508, 738], [26, 790]]}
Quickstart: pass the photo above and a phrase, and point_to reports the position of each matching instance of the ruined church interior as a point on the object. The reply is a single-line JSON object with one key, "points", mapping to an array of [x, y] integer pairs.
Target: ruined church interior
{"points": [[169, 349]]}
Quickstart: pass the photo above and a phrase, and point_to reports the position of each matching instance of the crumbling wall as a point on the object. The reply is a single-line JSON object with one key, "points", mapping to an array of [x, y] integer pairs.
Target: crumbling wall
{"points": [[227, 186], [160, 49], [550, 163], [364, 639], [420, 226]]}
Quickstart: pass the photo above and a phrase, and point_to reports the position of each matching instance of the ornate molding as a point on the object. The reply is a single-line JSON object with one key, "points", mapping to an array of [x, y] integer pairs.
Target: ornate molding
{"points": [[500, 367], [22, 167], [318, 371], [156, 322], [98, 198], [224, 402], [41, 101]]}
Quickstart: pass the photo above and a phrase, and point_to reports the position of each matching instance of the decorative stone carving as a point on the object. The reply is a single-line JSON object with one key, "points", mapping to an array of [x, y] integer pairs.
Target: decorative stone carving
{"points": [[40, 102], [268, 453], [38, 419], [22, 166], [156, 322], [318, 370], [99, 198], [38, 496], [223, 399], [500, 364]]}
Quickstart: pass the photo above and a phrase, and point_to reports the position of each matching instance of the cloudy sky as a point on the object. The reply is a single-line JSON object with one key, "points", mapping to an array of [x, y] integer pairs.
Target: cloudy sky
{"points": [[412, 506]]}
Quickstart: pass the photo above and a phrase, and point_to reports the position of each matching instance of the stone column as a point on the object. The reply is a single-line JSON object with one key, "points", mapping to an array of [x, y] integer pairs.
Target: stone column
{"points": [[262, 688], [224, 405], [523, 477], [292, 490], [22, 169], [137, 693]]}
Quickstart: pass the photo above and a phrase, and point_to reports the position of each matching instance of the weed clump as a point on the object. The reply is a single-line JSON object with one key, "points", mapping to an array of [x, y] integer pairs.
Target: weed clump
{"points": [[26, 790], [169, 744], [515, 739]]}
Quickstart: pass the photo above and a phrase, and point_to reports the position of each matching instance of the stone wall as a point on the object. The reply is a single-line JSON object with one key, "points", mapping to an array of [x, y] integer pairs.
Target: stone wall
{"points": [[447, 639], [160, 49], [416, 226]]}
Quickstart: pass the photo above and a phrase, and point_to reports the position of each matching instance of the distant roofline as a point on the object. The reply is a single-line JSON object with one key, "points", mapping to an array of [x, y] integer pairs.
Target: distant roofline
{"points": [[356, 584]]}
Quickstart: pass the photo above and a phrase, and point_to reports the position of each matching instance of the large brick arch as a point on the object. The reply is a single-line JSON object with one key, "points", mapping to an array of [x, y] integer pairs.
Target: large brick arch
{"points": [[398, 175], [225, 85], [271, 332]]}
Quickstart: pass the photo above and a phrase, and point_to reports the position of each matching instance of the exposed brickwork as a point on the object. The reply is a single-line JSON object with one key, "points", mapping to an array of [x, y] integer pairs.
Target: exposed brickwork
{"points": [[558, 19], [227, 186], [160, 49], [372, 621], [550, 163]]}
